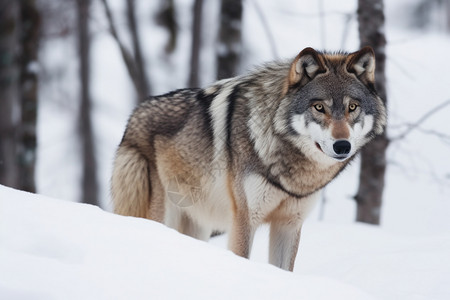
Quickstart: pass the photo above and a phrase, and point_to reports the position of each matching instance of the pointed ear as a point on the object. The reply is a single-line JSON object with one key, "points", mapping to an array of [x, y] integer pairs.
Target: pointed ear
{"points": [[305, 67], [362, 64]]}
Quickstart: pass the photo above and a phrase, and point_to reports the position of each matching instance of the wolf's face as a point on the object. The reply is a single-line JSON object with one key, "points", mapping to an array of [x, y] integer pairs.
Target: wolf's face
{"points": [[334, 108]]}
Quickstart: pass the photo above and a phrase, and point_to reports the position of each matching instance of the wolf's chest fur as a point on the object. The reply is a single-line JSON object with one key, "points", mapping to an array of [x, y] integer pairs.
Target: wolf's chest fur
{"points": [[197, 181]]}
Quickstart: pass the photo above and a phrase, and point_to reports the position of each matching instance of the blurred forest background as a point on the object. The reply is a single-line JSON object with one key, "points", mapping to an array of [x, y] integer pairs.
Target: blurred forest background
{"points": [[71, 72]]}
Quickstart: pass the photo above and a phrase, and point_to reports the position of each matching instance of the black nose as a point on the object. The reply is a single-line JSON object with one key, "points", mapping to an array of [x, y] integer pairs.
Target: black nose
{"points": [[342, 147]]}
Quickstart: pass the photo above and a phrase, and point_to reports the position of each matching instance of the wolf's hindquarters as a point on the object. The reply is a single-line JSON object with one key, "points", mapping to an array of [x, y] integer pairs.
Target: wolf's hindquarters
{"points": [[130, 183]]}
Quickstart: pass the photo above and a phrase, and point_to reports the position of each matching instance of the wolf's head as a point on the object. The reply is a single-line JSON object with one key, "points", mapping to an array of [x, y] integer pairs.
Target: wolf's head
{"points": [[333, 106]]}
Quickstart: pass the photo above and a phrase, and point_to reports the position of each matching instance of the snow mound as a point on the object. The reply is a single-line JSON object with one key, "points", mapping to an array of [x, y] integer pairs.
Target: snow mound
{"points": [[51, 249]]}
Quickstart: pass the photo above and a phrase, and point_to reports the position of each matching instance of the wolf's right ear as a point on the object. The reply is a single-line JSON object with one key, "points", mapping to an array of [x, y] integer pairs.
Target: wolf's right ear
{"points": [[362, 64], [305, 67]]}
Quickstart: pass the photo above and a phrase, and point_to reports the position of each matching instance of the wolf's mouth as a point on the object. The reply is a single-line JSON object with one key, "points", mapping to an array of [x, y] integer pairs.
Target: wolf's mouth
{"points": [[318, 147], [341, 157]]}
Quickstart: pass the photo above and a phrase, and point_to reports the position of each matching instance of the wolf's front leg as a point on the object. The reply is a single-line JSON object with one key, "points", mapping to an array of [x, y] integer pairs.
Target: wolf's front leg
{"points": [[284, 240], [241, 233], [285, 228]]}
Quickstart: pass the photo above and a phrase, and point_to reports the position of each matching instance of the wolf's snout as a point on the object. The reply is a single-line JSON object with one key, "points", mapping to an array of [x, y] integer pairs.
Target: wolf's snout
{"points": [[342, 147]]}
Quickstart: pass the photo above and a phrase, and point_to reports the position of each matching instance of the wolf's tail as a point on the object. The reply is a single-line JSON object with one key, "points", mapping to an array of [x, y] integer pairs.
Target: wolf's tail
{"points": [[130, 183]]}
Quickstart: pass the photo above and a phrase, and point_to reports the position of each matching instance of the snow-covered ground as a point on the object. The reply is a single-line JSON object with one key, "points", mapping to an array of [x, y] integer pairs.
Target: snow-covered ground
{"points": [[53, 249]]}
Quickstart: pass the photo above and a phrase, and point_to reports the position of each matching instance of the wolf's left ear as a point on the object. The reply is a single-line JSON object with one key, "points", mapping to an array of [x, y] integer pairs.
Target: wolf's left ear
{"points": [[362, 64], [305, 67]]}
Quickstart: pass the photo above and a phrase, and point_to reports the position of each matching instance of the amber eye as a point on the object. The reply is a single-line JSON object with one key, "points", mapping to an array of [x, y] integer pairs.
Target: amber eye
{"points": [[319, 108], [352, 107]]}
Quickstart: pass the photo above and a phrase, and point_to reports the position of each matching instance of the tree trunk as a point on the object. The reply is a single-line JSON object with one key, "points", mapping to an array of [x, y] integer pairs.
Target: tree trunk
{"points": [[30, 33], [373, 156], [89, 174], [142, 79], [230, 44], [447, 14], [9, 92], [196, 44], [128, 59]]}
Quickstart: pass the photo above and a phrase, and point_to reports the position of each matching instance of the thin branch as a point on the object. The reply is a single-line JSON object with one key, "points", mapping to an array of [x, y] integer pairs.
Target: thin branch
{"points": [[415, 125], [400, 67], [144, 88], [444, 137], [418, 163], [126, 55], [297, 14], [322, 25], [267, 29], [348, 19]]}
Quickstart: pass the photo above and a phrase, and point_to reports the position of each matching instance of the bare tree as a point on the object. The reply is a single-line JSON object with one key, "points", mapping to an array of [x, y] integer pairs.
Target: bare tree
{"points": [[19, 36], [196, 44], [29, 40], [230, 44], [373, 156], [89, 165], [267, 29], [166, 18], [141, 77], [9, 92], [447, 14], [130, 62]]}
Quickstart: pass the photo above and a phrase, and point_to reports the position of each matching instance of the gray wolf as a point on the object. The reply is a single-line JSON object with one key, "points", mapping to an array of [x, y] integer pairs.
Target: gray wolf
{"points": [[248, 150]]}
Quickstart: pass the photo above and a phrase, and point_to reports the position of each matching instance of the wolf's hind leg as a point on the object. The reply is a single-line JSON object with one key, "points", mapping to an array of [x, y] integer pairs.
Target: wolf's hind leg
{"points": [[136, 189], [157, 204], [130, 185], [190, 227]]}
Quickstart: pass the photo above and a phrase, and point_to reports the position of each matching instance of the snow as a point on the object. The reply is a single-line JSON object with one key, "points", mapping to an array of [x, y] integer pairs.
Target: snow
{"points": [[56, 249], [53, 249]]}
